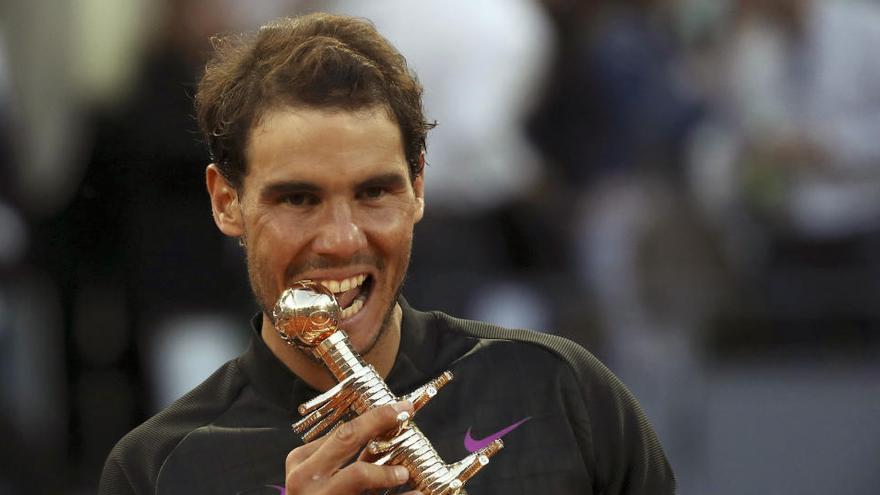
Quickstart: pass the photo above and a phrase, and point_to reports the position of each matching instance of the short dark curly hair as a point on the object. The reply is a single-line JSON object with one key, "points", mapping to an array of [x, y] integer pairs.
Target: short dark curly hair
{"points": [[317, 60]]}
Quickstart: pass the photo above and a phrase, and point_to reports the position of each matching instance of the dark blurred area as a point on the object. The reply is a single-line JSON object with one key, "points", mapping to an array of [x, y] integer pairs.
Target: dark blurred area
{"points": [[689, 188]]}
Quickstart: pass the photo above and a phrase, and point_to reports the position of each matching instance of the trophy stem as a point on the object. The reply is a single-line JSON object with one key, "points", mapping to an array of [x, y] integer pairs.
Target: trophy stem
{"points": [[413, 450], [306, 315]]}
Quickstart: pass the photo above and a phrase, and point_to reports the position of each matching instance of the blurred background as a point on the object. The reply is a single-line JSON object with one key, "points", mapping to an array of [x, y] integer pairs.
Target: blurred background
{"points": [[689, 188]]}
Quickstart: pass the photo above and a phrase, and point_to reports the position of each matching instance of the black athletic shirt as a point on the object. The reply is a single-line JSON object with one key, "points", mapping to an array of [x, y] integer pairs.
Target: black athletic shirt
{"points": [[585, 433]]}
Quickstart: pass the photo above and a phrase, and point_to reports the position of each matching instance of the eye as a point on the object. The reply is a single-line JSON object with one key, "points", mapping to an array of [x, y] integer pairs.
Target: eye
{"points": [[374, 192], [299, 199]]}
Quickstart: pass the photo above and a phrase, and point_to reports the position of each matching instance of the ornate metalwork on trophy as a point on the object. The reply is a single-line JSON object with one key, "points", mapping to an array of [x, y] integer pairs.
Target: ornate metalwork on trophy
{"points": [[307, 315]]}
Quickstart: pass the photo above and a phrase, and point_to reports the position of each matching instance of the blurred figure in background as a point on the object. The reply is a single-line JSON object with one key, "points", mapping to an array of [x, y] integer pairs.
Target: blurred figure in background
{"points": [[99, 307], [617, 102], [147, 257], [147, 145], [789, 167]]}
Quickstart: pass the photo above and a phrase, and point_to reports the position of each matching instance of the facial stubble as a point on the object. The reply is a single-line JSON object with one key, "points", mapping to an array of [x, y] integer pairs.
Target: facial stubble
{"points": [[259, 292]]}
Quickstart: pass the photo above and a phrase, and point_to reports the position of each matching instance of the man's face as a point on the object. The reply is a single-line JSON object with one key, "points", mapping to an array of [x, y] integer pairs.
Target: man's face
{"points": [[328, 197]]}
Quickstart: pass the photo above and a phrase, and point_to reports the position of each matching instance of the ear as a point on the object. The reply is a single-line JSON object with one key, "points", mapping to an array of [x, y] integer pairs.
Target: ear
{"points": [[419, 188], [224, 202]]}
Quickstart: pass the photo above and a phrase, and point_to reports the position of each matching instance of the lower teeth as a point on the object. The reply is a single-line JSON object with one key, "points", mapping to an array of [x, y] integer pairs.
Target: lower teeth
{"points": [[353, 309]]}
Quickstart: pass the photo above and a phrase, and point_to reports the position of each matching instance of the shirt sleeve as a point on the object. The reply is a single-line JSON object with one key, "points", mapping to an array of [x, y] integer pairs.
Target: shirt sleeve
{"points": [[113, 479], [622, 449]]}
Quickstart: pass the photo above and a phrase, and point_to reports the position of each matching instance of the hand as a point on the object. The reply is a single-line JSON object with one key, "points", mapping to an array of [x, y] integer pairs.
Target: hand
{"points": [[316, 468]]}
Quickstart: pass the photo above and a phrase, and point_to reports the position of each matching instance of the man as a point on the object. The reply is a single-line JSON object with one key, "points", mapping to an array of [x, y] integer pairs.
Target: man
{"points": [[318, 136]]}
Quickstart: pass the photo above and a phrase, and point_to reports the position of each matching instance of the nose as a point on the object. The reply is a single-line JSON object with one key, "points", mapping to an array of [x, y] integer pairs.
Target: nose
{"points": [[338, 234]]}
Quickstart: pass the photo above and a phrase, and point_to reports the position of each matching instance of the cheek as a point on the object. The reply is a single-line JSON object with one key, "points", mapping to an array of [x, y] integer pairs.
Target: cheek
{"points": [[389, 226], [275, 237]]}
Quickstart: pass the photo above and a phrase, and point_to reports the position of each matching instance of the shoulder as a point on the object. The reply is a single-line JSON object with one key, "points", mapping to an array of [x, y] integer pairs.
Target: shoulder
{"points": [[542, 346], [537, 357], [134, 463], [616, 440]]}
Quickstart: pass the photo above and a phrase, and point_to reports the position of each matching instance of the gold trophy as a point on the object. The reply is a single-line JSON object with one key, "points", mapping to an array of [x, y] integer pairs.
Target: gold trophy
{"points": [[307, 316]]}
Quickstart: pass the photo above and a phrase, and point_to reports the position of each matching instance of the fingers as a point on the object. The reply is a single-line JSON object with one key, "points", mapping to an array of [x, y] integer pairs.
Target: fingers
{"points": [[347, 440], [360, 476], [315, 467], [298, 455], [356, 478]]}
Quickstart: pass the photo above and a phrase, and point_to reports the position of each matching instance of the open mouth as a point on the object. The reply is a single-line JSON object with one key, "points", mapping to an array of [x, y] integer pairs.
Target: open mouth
{"points": [[351, 293]]}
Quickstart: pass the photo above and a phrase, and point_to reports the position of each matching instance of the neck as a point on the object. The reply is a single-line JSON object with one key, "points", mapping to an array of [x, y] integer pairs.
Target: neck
{"points": [[314, 373]]}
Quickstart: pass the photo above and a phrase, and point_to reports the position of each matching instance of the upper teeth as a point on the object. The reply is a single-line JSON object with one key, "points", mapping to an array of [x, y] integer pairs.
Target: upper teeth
{"points": [[337, 286]]}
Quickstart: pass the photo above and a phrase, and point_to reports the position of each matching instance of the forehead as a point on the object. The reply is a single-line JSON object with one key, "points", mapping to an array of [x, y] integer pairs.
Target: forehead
{"points": [[312, 142]]}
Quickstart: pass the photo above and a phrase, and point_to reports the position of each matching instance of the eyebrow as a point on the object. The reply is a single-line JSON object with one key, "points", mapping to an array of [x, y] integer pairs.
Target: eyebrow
{"points": [[278, 188], [391, 180]]}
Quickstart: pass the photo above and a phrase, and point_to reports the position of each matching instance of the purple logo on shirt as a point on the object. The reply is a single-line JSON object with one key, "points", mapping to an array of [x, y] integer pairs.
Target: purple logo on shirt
{"points": [[473, 445]]}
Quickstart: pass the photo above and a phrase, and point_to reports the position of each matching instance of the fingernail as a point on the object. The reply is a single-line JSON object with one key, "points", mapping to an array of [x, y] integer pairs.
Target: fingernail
{"points": [[401, 473], [401, 406]]}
